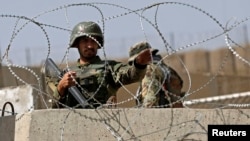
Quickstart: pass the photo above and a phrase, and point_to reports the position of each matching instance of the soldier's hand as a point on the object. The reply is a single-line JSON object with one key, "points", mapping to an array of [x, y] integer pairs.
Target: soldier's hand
{"points": [[178, 105], [112, 101], [66, 82], [144, 57]]}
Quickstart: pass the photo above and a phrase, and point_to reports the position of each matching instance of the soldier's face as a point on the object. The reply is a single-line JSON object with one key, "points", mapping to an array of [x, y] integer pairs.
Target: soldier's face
{"points": [[87, 47]]}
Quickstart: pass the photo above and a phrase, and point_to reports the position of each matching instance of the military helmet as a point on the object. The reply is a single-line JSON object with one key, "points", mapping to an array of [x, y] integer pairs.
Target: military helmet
{"points": [[136, 49], [88, 28]]}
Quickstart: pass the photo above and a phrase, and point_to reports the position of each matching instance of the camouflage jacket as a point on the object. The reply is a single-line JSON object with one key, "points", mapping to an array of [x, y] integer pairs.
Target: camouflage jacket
{"points": [[101, 79], [160, 86]]}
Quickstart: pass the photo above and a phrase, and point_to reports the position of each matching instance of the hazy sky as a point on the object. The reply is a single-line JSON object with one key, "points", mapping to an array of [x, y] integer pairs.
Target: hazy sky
{"points": [[30, 45]]}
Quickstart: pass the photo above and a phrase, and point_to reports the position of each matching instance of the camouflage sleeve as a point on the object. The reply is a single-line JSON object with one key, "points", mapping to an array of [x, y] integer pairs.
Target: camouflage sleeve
{"points": [[176, 83], [52, 84], [127, 74], [56, 95], [151, 85]]}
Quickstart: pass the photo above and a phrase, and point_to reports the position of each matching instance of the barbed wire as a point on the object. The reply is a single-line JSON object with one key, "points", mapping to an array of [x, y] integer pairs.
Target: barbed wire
{"points": [[103, 116]]}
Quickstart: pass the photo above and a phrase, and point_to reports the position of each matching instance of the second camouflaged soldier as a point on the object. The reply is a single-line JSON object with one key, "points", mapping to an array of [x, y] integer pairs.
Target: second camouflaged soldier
{"points": [[161, 86], [98, 80]]}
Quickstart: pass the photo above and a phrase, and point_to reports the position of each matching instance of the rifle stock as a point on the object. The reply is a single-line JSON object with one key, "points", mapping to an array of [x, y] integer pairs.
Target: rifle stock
{"points": [[53, 70]]}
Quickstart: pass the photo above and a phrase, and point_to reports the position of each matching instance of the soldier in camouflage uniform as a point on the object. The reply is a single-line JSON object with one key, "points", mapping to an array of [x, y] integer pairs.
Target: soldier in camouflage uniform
{"points": [[161, 86], [99, 80]]}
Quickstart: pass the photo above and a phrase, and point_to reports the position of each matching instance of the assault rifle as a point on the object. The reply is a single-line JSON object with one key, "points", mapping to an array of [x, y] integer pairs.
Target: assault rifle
{"points": [[52, 70]]}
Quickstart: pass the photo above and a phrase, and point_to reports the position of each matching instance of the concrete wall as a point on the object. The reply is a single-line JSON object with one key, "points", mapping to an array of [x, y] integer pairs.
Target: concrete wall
{"points": [[23, 98], [7, 128], [126, 124], [129, 124], [201, 86], [8, 79]]}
